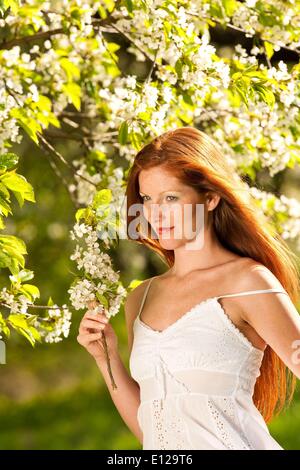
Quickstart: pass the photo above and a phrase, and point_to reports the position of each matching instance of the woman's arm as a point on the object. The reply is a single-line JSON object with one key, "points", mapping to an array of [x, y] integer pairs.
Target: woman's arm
{"points": [[273, 316], [126, 396]]}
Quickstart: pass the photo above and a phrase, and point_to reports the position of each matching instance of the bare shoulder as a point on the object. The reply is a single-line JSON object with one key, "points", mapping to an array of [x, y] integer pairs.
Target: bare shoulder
{"points": [[131, 308], [254, 275], [268, 315], [134, 299]]}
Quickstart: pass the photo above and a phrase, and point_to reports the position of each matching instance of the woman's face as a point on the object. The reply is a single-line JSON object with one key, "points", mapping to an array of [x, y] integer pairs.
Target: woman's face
{"points": [[170, 204]]}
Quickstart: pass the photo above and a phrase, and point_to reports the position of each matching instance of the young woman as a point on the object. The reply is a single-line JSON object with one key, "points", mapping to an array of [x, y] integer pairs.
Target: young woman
{"points": [[214, 356]]}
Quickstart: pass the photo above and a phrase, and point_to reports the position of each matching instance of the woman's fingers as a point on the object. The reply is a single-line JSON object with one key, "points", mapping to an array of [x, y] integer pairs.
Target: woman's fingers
{"points": [[92, 304], [90, 320], [87, 324], [96, 316], [85, 339], [96, 319]]}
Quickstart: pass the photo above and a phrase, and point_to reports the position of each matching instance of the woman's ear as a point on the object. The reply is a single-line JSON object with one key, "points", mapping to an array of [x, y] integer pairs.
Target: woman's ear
{"points": [[212, 200]]}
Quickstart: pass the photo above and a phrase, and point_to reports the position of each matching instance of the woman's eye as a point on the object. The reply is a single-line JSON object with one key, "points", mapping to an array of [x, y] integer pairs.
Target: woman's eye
{"points": [[173, 198]]}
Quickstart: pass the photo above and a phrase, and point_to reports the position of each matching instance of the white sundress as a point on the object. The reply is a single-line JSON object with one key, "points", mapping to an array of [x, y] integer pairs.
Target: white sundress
{"points": [[196, 381]]}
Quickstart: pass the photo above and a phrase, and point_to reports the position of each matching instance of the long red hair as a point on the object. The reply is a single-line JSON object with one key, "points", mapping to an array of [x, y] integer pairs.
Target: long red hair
{"points": [[195, 159]]}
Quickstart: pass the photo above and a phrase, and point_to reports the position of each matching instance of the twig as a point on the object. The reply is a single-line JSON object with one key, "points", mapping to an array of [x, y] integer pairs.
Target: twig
{"points": [[113, 383], [63, 179], [241, 30], [48, 307], [50, 148]]}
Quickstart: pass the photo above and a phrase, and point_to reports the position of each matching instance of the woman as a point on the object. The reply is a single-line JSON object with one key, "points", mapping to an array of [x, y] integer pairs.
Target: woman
{"points": [[214, 356]]}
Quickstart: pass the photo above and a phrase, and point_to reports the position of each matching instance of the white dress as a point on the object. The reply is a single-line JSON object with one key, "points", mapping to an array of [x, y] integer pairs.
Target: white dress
{"points": [[196, 381]]}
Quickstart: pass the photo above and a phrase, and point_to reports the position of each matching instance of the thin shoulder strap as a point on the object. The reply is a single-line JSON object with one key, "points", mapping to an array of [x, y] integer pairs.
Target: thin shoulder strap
{"points": [[145, 295], [258, 291]]}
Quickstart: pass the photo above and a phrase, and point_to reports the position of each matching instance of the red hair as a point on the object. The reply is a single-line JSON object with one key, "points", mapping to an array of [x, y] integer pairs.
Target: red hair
{"points": [[195, 159]]}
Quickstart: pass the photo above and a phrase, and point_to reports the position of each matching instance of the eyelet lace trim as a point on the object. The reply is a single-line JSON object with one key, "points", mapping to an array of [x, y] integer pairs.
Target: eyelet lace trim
{"points": [[182, 318], [229, 439], [169, 427]]}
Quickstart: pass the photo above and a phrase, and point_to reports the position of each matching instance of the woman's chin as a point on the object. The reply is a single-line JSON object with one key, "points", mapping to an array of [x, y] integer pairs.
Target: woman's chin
{"points": [[169, 242]]}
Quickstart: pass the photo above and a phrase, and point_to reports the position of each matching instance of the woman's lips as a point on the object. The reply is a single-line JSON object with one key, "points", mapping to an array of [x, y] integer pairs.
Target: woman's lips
{"points": [[164, 229]]}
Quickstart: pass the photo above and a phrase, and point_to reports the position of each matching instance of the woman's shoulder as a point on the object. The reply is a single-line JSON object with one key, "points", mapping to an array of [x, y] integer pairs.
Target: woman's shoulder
{"points": [[245, 275], [135, 296], [255, 275]]}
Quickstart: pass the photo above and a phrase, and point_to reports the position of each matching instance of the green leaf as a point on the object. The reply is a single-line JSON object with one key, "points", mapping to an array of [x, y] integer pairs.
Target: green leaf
{"points": [[236, 76], [102, 12], [123, 133], [113, 47], [3, 326], [12, 4], [11, 250], [129, 5], [80, 214], [97, 155], [24, 274], [16, 182], [145, 116], [35, 333], [13, 254], [134, 283], [102, 299], [135, 140], [8, 160], [187, 99], [266, 94], [14, 242], [102, 197], [72, 71], [4, 191], [17, 320], [4, 207], [110, 5], [27, 334], [230, 6], [178, 67], [269, 49], [19, 185], [5, 260], [73, 92], [14, 266], [30, 126], [28, 195], [19, 323], [31, 291]]}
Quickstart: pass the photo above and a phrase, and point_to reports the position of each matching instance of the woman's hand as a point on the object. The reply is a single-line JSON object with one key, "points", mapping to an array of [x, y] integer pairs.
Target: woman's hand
{"points": [[90, 333]]}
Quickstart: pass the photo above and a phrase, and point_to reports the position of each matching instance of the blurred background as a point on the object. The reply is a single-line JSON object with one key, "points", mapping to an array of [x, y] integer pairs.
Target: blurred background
{"points": [[53, 396]]}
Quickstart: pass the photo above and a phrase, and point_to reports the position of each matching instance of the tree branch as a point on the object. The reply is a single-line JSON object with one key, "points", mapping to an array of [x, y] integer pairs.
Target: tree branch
{"points": [[48, 34], [241, 30]]}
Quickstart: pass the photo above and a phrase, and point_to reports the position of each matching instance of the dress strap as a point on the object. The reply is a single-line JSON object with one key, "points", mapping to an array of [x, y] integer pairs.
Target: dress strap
{"points": [[145, 295], [258, 291]]}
